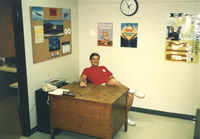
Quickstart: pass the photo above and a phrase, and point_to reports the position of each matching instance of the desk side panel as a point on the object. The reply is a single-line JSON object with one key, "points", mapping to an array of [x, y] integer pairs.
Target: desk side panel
{"points": [[118, 114], [80, 116]]}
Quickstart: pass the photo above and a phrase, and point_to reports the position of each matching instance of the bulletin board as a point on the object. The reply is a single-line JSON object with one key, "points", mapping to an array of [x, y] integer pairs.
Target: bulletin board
{"points": [[51, 32], [182, 40]]}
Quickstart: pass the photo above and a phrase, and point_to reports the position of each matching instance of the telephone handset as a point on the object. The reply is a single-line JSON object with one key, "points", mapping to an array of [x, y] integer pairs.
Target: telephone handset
{"points": [[48, 87]]}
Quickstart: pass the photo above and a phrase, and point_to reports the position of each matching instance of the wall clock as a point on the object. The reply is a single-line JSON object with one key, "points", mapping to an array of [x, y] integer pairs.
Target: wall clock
{"points": [[129, 7]]}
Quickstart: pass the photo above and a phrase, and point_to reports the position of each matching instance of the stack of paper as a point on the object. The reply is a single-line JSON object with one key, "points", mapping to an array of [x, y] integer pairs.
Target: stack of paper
{"points": [[58, 91]]}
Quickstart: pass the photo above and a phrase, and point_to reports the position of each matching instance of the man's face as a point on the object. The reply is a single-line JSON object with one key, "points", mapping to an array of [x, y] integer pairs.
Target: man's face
{"points": [[95, 61]]}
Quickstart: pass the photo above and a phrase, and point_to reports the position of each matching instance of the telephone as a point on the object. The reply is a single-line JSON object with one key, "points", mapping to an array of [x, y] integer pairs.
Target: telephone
{"points": [[48, 87]]}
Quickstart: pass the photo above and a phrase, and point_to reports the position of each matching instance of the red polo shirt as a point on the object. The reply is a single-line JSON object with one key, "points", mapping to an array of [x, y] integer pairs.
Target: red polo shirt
{"points": [[97, 74]]}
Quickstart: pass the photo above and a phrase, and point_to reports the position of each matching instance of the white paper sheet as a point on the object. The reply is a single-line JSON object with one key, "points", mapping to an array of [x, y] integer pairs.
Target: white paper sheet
{"points": [[58, 91]]}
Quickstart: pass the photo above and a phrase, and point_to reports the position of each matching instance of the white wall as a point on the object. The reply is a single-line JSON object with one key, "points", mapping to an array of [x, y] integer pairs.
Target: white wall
{"points": [[65, 66], [169, 86]]}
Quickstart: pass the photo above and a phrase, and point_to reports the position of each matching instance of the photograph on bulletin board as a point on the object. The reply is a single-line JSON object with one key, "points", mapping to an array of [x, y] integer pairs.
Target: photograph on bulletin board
{"points": [[37, 14], [182, 35], [54, 43], [129, 35], [53, 28], [53, 11], [105, 34], [66, 14]]}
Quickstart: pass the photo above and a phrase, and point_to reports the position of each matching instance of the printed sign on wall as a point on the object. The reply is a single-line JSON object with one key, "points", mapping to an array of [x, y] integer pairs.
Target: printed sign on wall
{"points": [[105, 34], [182, 40], [129, 35]]}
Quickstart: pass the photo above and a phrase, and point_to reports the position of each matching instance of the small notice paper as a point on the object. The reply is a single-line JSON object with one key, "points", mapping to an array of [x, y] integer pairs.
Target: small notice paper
{"points": [[58, 91], [66, 47], [39, 34]]}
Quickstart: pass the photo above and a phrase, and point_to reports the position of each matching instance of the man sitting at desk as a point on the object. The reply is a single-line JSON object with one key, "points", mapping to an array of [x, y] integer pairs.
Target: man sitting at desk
{"points": [[102, 76]]}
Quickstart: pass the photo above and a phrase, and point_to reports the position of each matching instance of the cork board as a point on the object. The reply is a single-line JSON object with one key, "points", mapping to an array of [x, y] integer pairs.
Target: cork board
{"points": [[51, 32]]}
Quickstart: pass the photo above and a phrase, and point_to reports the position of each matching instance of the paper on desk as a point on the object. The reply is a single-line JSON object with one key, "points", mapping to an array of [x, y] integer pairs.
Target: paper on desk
{"points": [[58, 91]]}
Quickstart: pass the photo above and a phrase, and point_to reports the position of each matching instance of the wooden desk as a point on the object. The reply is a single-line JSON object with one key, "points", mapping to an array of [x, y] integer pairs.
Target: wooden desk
{"points": [[96, 110], [14, 85], [5, 68], [7, 76]]}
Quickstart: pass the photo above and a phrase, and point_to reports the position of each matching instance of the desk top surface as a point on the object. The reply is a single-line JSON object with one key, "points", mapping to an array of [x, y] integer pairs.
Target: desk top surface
{"points": [[8, 69], [96, 93]]}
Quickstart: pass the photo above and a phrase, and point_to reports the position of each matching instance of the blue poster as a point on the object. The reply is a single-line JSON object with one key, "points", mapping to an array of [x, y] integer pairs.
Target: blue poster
{"points": [[37, 14], [129, 35]]}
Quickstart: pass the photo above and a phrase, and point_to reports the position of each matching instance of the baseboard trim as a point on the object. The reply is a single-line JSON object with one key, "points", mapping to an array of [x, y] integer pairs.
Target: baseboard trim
{"points": [[197, 125], [163, 113], [150, 111]]}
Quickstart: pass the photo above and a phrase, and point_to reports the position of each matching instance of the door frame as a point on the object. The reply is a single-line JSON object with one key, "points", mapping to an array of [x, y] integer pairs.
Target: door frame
{"points": [[23, 107]]}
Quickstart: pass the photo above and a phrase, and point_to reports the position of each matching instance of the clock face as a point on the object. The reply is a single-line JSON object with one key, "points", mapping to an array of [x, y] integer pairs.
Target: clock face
{"points": [[129, 7]]}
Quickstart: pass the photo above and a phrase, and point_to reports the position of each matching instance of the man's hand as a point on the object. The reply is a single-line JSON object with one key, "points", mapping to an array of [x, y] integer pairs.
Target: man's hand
{"points": [[82, 81], [83, 84]]}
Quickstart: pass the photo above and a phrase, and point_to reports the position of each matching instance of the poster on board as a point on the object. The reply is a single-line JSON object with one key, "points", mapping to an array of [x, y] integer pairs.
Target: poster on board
{"points": [[37, 14], [66, 14], [105, 34], [53, 28], [182, 40], [129, 35]]}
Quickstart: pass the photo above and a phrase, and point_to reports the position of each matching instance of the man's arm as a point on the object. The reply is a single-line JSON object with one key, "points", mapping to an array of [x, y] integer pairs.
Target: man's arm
{"points": [[83, 80]]}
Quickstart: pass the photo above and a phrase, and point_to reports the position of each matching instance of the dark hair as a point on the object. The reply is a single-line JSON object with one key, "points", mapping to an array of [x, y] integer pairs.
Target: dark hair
{"points": [[94, 54]]}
